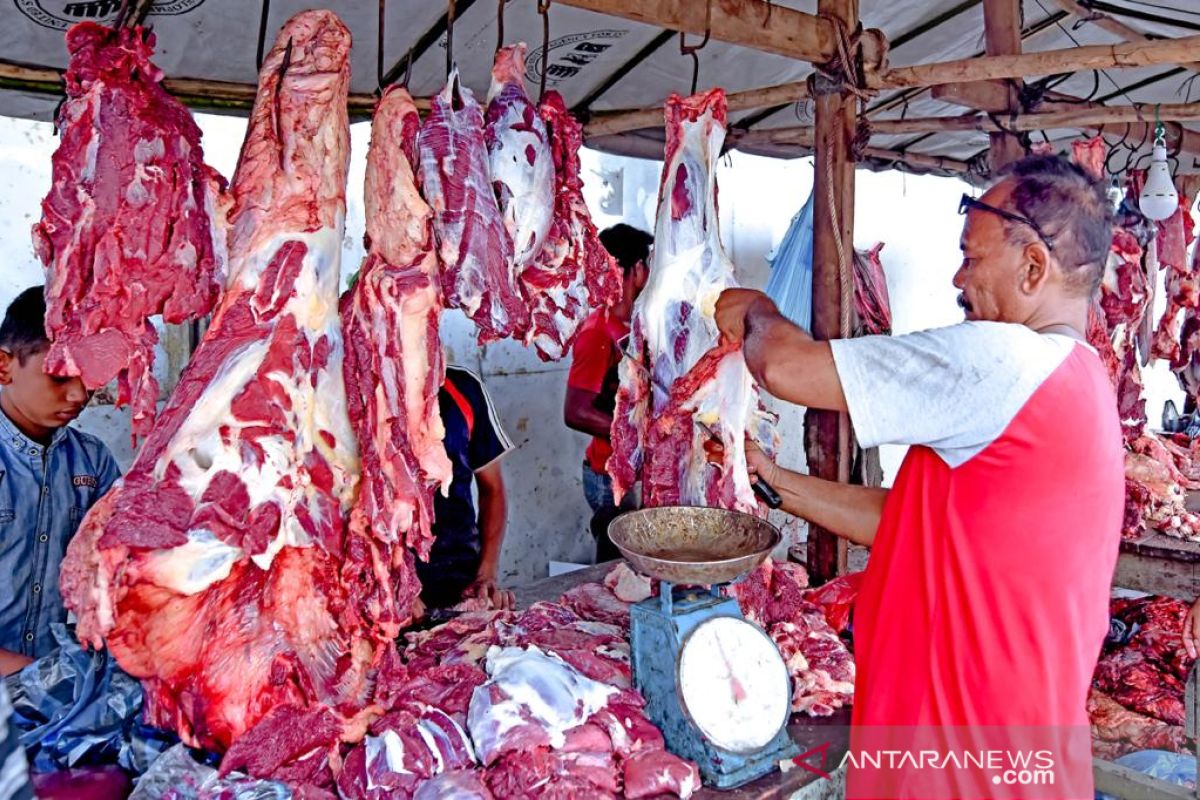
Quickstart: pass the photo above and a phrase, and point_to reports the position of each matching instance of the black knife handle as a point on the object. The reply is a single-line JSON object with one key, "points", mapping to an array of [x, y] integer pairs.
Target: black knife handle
{"points": [[767, 493]]}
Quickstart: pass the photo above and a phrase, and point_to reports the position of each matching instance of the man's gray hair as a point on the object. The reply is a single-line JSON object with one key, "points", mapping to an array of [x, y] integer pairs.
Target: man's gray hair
{"points": [[1072, 209]]}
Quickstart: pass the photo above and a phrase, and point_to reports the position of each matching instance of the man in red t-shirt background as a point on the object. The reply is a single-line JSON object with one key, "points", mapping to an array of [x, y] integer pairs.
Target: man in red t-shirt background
{"points": [[592, 381]]}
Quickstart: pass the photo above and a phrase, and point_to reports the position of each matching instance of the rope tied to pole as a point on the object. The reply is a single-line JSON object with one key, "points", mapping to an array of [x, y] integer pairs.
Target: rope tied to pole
{"points": [[843, 72]]}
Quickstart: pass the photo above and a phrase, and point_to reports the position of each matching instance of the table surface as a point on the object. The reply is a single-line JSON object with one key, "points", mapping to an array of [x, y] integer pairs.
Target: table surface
{"points": [[808, 733]]}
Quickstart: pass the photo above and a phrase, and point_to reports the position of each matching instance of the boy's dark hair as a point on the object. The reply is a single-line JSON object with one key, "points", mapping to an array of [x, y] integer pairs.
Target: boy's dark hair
{"points": [[23, 332], [627, 244]]}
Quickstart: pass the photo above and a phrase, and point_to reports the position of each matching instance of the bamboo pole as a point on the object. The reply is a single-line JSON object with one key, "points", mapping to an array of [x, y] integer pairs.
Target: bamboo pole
{"points": [[827, 433], [1110, 24], [607, 123], [1002, 32], [1083, 118], [750, 23], [194, 92], [1049, 62]]}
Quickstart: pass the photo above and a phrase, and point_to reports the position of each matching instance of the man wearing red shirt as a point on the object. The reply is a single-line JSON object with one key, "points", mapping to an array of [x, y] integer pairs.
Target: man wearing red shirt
{"points": [[592, 381], [985, 601]]}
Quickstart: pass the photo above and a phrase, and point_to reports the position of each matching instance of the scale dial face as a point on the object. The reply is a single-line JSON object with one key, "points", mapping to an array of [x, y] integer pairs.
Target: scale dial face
{"points": [[733, 684]]}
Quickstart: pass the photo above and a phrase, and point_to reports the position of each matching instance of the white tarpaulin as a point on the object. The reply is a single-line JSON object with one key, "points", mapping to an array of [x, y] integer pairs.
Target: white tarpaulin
{"points": [[598, 62]]}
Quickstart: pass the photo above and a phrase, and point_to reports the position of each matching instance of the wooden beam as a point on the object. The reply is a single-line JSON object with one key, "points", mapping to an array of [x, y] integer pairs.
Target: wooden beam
{"points": [[742, 22], [1049, 62], [982, 96], [1002, 32], [194, 92], [1080, 118], [827, 433], [1110, 24], [604, 124]]}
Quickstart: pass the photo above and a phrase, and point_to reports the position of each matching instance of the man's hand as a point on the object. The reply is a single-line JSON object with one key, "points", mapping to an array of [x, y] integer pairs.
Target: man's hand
{"points": [[484, 587], [1191, 630], [732, 308], [758, 463], [11, 662]]}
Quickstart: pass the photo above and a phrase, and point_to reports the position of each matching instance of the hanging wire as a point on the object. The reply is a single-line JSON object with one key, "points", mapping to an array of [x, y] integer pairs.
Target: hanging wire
{"points": [[1067, 31], [263, 19], [500, 26], [380, 38], [693, 49], [543, 8], [450, 36]]}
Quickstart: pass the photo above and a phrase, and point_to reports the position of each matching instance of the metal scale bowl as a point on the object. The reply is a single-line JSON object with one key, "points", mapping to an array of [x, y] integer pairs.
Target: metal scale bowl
{"points": [[714, 683]]}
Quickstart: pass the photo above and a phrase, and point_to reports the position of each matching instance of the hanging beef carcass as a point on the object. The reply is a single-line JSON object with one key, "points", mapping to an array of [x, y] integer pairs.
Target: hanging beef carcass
{"points": [[519, 157], [475, 248], [674, 372], [573, 273], [219, 571], [129, 229], [1181, 282], [394, 364]]}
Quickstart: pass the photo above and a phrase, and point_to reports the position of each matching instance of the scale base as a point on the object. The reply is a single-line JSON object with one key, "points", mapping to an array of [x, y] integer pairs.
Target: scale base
{"points": [[658, 628]]}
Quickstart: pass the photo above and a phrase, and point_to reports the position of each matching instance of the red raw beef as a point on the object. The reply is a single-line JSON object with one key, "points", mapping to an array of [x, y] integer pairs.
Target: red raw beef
{"points": [[519, 159], [872, 308], [132, 225], [836, 599], [221, 571], [657, 772], [394, 365], [676, 370], [1117, 731], [476, 251], [573, 273], [1182, 281]]}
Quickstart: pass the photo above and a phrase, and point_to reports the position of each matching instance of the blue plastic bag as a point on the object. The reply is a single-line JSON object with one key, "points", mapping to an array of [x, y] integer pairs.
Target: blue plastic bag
{"points": [[790, 284], [74, 708]]}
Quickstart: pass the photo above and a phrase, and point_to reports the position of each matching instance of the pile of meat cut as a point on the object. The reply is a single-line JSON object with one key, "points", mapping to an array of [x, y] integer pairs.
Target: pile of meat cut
{"points": [[1158, 468], [1137, 697], [676, 373]]}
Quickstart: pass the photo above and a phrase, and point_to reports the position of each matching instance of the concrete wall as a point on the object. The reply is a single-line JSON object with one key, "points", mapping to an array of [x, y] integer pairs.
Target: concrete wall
{"points": [[914, 216]]}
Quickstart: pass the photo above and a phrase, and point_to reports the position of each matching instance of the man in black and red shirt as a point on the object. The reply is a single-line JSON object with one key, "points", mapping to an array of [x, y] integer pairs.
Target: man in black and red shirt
{"points": [[592, 381], [466, 547]]}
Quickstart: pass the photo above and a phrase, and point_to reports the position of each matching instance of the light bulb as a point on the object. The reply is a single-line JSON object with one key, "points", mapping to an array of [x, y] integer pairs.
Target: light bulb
{"points": [[1158, 200]]}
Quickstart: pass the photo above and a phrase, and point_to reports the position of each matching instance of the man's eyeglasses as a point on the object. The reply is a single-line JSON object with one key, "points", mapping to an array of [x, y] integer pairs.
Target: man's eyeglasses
{"points": [[967, 203]]}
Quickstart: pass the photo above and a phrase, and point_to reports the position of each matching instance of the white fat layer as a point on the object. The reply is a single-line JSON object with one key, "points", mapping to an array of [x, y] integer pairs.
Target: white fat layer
{"points": [[539, 688], [197, 448], [192, 567]]}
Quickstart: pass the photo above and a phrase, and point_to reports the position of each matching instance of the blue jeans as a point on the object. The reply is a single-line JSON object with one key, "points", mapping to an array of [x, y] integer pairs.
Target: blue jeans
{"points": [[597, 488]]}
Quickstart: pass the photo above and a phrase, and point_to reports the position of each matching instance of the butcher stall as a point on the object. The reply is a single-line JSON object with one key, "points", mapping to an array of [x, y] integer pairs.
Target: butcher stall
{"points": [[244, 615]]}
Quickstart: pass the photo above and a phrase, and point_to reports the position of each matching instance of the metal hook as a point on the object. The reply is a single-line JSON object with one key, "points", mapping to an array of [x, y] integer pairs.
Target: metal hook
{"points": [[500, 25], [262, 33], [380, 37], [693, 49], [450, 36], [543, 8]]}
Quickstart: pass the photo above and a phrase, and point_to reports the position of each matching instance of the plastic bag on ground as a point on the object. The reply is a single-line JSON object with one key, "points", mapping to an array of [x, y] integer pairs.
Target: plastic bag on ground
{"points": [[176, 775], [75, 709]]}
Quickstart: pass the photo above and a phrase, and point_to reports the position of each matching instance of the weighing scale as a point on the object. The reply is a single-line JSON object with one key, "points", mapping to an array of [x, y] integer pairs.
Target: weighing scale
{"points": [[714, 683]]}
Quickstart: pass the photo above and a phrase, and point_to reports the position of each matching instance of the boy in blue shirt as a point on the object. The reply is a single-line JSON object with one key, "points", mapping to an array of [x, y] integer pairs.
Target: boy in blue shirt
{"points": [[50, 475]]}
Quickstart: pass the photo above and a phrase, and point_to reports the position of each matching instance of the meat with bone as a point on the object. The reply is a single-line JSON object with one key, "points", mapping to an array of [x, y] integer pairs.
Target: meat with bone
{"points": [[475, 248], [573, 273], [522, 167], [394, 365], [131, 225], [670, 376], [220, 571]]}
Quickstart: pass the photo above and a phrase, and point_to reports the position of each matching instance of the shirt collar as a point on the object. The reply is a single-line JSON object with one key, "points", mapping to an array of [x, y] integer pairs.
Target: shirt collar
{"points": [[18, 442]]}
